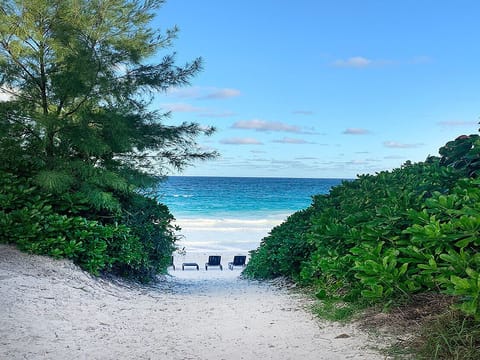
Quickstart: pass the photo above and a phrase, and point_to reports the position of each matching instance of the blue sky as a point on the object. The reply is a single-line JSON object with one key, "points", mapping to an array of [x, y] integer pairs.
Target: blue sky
{"points": [[313, 88]]}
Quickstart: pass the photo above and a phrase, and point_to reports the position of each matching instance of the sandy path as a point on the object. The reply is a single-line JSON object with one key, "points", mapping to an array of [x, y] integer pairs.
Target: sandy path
{"points": [[51, 310]]}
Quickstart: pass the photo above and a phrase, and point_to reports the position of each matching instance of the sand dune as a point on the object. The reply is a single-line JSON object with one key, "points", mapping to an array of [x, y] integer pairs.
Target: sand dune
{"points": [[51, 309]]}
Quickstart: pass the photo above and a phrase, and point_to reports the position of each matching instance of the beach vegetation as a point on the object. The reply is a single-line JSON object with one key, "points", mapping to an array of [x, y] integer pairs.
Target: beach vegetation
{"points": [[450, 335], [80, 142], [380, 239]]}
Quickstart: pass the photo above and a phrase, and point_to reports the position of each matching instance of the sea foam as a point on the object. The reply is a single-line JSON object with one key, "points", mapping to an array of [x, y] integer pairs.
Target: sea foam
{"points": [[226, 234]]}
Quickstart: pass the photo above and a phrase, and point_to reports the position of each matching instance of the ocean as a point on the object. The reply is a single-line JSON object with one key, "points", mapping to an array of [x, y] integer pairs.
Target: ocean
{"points": [[234, 213]]}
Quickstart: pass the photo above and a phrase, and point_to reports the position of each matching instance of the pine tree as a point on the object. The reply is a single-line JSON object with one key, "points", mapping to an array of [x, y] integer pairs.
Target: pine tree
{"points": [[79, 142], [81, 79]]}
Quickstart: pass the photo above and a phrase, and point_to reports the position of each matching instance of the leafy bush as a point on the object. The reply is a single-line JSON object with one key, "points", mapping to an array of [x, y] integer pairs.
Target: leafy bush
{"points": [[282, 253], [138, 248], [462, 153], [358, 229], [151, 223], [445, 244], [383, 237]]}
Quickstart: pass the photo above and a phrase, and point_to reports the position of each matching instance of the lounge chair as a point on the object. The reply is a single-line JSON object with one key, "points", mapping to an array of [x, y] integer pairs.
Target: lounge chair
{"points": [[214, 260], [238, 260], [190, 264]]}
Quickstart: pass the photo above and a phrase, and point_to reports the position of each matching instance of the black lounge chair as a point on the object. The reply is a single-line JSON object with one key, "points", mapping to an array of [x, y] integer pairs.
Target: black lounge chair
{"points": [[238, 260], [214, 260], [190, 264]]}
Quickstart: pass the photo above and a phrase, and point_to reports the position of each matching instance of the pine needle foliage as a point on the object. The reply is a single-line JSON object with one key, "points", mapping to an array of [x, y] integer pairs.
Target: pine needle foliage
{"points": [[81, 76]]}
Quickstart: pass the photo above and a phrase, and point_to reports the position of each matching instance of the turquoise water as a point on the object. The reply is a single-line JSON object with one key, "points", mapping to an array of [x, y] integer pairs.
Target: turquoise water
{"points": [[239, 197], [234, 214]]}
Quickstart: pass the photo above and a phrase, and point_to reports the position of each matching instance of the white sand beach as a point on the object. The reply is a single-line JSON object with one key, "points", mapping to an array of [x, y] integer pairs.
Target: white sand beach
{"points": [[50, 309]]}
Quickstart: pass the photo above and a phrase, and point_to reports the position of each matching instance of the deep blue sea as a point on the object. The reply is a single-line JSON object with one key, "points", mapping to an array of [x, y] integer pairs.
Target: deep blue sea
{"points": [[234, 214]]}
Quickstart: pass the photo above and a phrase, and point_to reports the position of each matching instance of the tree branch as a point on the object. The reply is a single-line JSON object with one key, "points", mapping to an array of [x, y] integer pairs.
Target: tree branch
{"points": [[18, 62]]}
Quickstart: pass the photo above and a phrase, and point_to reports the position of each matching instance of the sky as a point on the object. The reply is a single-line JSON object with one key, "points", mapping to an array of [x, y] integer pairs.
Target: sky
{"points": [[324, 89]]}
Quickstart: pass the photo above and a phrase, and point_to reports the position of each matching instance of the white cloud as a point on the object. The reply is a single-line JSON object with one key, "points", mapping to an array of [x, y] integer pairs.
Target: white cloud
{"points": [[355, 62], [201, 111], [394, 157], [287, 140], [182, 107], [355, 131], [357, 162], [262, 125], [363, 62], [306, 158], [259, 160], [397, 145], [184, 93], [203, 93], [221, 94], [241, 141]]}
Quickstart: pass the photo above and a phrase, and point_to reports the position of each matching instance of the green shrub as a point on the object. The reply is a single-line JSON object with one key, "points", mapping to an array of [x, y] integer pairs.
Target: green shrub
{"points": [[447, 241], [383, 237], [151, 223], [138, 248], [284, 250]]}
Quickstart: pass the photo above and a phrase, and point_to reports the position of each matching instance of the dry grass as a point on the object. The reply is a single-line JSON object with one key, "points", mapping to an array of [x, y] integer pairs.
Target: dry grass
{"points": [[407, 325]]}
